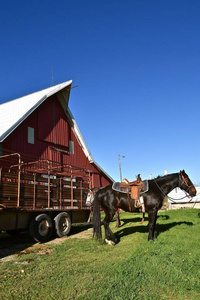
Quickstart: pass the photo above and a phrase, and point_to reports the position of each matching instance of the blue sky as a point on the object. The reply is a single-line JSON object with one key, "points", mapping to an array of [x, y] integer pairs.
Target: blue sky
{"points": [[137, 67]]}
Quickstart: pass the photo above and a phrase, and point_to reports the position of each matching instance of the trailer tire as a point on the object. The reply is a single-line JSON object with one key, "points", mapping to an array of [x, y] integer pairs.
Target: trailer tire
{"points": [[41, 228], [62, 224]]}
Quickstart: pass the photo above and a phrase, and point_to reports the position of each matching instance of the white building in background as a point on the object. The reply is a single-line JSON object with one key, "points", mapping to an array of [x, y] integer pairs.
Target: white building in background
{"points": [[179, 199]]}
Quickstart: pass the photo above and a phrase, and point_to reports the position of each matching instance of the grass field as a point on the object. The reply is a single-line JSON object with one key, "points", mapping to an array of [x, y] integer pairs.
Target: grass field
{"points": [[168, 268]]}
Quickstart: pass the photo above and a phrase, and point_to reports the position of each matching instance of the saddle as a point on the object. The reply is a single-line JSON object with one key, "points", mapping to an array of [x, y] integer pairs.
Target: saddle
{"points": [[135, 187]]}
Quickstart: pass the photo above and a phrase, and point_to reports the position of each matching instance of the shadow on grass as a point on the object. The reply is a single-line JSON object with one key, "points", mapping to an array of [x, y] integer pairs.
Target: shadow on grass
{"points": [[138, 219], [165, 227], [13, 243], [79, 228], [160, 228]]}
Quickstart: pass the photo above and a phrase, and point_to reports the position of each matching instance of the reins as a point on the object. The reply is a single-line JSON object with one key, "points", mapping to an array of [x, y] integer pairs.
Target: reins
{"points": [[180, 184]]}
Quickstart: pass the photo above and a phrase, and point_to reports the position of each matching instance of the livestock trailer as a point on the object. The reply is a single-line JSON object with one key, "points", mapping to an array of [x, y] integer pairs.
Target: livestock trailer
{"points": [[41, 197]]}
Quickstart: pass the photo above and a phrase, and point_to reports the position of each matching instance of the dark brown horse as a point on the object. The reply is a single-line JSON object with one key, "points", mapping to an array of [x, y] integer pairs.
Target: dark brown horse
{"points": [[89, 202], [110, 200]]}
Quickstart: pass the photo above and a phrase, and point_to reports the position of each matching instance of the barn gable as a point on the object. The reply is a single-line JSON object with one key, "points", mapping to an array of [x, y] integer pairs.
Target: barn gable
{"points": [[42, 125], [14, 112]]}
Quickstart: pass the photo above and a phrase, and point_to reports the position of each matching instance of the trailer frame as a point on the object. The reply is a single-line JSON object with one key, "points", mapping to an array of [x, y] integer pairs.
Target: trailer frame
{"points": [[42, 196]]}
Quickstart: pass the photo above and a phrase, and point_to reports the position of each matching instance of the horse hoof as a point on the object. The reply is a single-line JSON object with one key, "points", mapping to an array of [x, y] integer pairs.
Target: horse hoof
{"points": [[109, 242]]}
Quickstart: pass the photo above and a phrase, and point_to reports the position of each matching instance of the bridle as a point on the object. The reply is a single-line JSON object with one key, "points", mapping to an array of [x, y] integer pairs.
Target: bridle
{"points": [[184, 180]]}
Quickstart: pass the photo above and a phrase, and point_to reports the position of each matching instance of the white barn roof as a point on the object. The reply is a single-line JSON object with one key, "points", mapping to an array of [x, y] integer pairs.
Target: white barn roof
{"points": [[14, 112]]}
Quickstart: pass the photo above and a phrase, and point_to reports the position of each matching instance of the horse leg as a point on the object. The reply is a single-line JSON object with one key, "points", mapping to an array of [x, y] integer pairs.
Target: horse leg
{"points": [[89, 218], [143, 216], [109, 236], [118, 223], [152, 224]]}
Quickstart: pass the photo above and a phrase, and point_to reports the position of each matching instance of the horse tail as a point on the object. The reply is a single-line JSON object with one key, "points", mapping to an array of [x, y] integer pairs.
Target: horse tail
{"points": [[96, 219]]}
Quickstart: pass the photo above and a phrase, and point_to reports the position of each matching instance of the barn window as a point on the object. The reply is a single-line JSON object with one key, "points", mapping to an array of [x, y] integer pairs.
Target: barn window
{"points": [[30, 135], [71, 147]]}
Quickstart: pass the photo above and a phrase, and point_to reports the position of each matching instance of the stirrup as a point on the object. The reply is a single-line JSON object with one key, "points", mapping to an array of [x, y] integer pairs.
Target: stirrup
{"points": [[137, 203]]}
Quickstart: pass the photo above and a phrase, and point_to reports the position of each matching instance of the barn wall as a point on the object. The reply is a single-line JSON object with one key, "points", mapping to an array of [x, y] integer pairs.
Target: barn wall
{"points": [[51, 131], [52, 124]]}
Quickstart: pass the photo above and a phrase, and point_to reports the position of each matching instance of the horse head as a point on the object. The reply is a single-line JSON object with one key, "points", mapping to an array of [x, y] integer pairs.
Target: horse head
{"points": [[90, 196], [186, 184]]}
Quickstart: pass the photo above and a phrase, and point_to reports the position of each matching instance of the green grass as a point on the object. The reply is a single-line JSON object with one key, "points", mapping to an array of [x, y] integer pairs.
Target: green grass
{"points": [[168, 268]]}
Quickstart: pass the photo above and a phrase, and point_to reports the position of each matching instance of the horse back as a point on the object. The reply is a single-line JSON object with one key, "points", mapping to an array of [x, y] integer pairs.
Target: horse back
{"points": [[105, 195]]}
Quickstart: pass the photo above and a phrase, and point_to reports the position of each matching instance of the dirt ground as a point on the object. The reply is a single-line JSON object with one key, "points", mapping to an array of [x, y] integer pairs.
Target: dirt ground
{"points": [[19, 244]]}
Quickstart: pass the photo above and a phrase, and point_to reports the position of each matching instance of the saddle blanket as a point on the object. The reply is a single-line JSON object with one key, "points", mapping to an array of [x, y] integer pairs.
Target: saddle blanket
{"points": [[116, 187]]}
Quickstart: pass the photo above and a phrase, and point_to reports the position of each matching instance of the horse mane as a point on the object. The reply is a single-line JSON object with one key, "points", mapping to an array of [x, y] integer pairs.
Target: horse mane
{"points": [[164, 176], [159, 176]]}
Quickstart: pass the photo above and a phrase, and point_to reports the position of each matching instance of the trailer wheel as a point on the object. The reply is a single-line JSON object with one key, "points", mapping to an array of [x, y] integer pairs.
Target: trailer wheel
{"points": [[62, 224], [41, 228]]}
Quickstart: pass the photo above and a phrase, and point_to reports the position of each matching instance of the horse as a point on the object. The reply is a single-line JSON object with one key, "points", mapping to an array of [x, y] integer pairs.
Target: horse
{"points": [[89, 202], [110, 200]]}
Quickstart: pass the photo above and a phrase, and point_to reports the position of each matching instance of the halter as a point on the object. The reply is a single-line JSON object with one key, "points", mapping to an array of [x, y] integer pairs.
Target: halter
{"points": [[184, 181]]}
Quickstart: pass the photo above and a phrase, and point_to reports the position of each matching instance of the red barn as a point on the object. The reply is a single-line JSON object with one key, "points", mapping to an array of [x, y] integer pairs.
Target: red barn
{"points": [[40, 126]]}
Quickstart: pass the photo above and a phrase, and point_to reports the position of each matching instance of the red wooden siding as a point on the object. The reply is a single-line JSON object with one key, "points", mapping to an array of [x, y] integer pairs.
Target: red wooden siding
{"points": [[52, 132], [52, 123], [96, 180]]}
